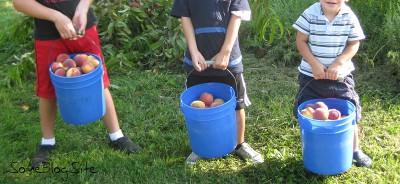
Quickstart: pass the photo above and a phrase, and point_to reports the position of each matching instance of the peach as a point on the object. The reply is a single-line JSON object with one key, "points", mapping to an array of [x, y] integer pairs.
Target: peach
{"points": [[61, 72], [80, 69], [334, 114], [80, 59], [310, 105], [219, 100], [308, 112], [87, 67], [94, 61], [69, 63], [321, 113], [321, 105], [214, 104], [62, 57], [198, 104], [207, 98], [73, 72], [55, 66]]}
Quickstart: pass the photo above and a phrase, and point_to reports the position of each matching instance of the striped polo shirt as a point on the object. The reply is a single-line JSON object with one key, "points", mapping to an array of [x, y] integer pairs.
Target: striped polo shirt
{"points": [[327, 40]]}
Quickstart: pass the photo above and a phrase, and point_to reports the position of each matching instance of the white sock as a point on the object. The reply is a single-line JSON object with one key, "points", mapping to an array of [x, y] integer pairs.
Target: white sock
{"points": [[116, 135], [50, 142]]}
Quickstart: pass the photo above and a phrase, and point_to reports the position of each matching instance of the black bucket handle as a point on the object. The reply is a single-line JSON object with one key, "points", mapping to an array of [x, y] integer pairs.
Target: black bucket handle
{"points": [[211, 62]]}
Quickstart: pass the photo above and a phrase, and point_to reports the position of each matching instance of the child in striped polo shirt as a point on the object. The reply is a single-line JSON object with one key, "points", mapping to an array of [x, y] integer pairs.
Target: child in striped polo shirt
{"points": [[328, 36]]}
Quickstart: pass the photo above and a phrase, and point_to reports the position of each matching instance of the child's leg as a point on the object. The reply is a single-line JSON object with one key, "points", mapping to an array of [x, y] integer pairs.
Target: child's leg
{"points": [[356, 142], [110, 118], [118, 140], [243, 149], [361, 159], [240, 123], [48, 113]]}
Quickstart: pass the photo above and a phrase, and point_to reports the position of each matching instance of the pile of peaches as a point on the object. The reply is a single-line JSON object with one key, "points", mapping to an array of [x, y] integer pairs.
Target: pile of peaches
{"points": [[80, 64], [207, 100], [320, 111]]}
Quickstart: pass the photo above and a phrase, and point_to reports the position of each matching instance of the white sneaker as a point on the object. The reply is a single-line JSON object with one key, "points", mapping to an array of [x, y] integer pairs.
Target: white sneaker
{"points": [[192, 158], [246, 152]]}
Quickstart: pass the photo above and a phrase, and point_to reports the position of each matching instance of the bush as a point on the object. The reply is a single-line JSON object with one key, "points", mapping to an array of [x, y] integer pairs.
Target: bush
{"points": [[273, 20], [139, 35]]}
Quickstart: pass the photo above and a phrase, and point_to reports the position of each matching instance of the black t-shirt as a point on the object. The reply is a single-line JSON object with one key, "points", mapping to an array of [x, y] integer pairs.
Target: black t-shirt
{"points": [[210, 19], [46, 30]]}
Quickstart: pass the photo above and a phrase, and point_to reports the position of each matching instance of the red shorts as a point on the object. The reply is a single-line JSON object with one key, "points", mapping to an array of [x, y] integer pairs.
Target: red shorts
{"points": [[46, 52]]}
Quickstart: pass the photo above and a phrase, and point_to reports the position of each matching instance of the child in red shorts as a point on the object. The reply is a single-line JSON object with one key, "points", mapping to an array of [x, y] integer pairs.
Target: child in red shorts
{"points": [[66, 27]]}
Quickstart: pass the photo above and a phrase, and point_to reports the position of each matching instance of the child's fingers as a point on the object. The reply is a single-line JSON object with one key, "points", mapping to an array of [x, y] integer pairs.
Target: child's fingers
{"points": [[197, 67]]}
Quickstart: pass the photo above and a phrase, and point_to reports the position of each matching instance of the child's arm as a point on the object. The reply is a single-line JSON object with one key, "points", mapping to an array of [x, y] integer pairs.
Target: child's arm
{"points": [[36, 10], [351, 49], [198, 60], [80, 18], [318, 69], [221, 60]]}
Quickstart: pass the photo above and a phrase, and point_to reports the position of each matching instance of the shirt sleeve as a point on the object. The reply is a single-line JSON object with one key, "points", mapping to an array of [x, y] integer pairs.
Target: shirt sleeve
{"points": [[244, 15], [241, 8], [180, 8], [302, 24], [356, 32]]}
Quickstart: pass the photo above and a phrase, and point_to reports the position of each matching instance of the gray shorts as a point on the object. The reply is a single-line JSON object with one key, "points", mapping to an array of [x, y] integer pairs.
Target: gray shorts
{"points": [[313, 89], [236, 81]]}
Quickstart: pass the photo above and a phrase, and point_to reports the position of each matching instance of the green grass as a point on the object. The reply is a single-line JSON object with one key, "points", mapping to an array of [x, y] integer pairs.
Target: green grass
{"points": [[148, 109]]}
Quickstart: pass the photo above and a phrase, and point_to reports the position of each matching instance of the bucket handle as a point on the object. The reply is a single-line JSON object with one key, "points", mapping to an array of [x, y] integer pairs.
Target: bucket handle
{"points": [[211, 62], [84, 36]]}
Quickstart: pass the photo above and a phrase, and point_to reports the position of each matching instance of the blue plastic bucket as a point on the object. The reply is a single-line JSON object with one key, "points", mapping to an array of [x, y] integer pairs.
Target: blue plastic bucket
{"points": [[327, 146], [212, 131], [80, 99]]}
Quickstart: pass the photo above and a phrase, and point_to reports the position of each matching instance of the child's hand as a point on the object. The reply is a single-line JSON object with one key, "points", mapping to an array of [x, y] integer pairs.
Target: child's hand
{"points": [[65, 27], [198, 62], [221, 61], [333, 71], [79, 21], [318, 71]]}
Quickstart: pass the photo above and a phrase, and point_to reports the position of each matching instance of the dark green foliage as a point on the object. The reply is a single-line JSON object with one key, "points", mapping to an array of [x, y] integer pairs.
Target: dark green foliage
{"points": [[16, 46], [141, 37], [146, 37], [381, 23], [273, 19]]}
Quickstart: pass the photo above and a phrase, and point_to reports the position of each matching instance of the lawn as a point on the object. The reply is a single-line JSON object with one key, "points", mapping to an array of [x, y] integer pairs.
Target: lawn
{"points": [[148, 108], [147, 104]]}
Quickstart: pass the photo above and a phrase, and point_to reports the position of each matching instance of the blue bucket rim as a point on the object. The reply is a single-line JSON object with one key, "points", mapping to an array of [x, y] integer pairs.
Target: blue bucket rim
{"points": [[325, 99], [339, 125], [209, 108], [80, 76]]}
